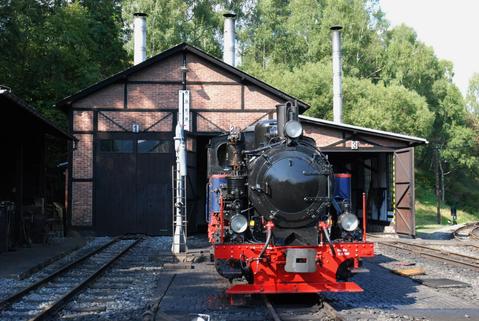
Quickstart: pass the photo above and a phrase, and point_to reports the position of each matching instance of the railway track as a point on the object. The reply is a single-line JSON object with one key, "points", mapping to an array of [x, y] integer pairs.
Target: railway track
{"points": [[467, 232], [445, 256], [45, 297], [321, 310]]}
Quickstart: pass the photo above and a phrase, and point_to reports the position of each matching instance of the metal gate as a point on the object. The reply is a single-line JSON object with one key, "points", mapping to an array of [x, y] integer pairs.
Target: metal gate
{"points": [[404, 209]]}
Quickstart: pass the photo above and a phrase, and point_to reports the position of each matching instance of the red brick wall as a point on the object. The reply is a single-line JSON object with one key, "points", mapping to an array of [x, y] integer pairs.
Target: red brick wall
{"points": [[221, 122], [82, 157], [82, 203], [153, 96], [322, 136], [210, 88], [109, 97], [199, 70], [83, 121], [256, 98], [120, 120], [214, 96], [165, 70]]}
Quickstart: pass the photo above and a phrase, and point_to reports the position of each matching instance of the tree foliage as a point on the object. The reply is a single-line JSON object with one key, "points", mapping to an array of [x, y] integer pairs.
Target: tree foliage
{"points": [[472, 96], [50, 49]]}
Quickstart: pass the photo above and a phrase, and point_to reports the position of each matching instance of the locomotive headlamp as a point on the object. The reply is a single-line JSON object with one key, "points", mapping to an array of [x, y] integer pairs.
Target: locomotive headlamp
{"points": [[348, 222], [293, 129], [238, 223]]}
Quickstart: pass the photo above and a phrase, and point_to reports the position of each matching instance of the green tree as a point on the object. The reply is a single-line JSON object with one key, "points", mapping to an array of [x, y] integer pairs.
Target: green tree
{"points": [[287, 34], [51, 49], [472, 96], [409, 62]]}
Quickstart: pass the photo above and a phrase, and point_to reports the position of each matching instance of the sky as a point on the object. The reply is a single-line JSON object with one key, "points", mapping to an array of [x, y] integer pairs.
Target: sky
{"points": [[450, 27]]}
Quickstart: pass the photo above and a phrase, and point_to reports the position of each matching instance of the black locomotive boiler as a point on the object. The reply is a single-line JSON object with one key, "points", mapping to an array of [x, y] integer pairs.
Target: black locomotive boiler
{"points": [[273, 222]]}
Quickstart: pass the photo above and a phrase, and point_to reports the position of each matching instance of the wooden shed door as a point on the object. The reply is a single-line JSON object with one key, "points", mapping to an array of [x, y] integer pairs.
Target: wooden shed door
{"points": [[404, 192], [133, 184]]}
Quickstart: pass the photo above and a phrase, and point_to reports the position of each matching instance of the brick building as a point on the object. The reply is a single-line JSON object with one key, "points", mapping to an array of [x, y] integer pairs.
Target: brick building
{"points": [[121, 165]]}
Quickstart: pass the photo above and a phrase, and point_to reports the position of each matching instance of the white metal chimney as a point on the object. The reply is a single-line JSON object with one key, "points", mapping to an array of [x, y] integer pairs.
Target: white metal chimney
{"points": [[139, 37], [337, 75], [229, 39]]}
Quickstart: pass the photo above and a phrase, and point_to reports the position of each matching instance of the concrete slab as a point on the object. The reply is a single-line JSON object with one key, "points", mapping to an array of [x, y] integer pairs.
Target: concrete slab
{"points": [[442, 233], [442, 283], [19, 263], [409, 271]]}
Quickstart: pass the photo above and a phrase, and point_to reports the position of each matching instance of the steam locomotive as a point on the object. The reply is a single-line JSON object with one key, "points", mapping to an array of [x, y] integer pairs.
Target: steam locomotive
{"points": [[275, 219]]}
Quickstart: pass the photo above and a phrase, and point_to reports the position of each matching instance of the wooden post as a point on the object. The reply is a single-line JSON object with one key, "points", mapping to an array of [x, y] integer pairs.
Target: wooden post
{"points": [[438, 184], [19, 227]]}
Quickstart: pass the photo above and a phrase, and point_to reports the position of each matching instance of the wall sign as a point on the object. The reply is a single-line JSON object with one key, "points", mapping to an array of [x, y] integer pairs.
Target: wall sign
{"points": [[355, 144], [184, 108]]}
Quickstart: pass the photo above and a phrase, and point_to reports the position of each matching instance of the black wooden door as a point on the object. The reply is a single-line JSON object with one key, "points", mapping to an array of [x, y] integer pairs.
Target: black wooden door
{"points": [[133, 183], [153, 184]]}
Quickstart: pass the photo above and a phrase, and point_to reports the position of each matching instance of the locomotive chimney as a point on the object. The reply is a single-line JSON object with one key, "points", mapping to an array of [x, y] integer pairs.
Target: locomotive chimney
{"points": [[139, 37], [229, 39], [282, 118], [337, 75]]}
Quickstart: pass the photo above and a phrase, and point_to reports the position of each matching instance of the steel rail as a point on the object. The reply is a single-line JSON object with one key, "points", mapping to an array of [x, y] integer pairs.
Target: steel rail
{"points": [[472, 258], [331, 311], [325, 307], [475, 233], [14, 297], [64, 298], [469, 226], [271, 309], [421, 252]]}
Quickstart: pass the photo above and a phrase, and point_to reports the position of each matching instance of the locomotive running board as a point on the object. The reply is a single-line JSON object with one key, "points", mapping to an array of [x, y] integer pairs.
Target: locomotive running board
{"points": [[294, 288]]}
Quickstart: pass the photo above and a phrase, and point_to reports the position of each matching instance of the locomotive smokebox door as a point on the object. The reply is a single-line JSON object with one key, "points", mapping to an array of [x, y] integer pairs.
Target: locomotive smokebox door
{"points": [[300, 260]]}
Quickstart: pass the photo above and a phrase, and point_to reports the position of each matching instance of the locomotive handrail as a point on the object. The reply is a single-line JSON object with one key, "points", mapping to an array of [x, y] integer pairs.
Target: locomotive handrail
{"points": [[257, 150]]}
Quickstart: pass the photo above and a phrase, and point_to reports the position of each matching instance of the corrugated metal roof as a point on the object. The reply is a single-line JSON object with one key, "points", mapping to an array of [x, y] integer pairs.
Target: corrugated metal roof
{"points": [[413, 140]]}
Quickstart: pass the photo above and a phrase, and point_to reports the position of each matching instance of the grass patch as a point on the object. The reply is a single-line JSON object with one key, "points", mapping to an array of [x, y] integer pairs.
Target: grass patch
{"points": [[426, 211]]}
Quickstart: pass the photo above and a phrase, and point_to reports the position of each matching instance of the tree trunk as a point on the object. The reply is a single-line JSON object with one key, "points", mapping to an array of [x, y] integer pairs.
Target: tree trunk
{"points": [[438, 186]]}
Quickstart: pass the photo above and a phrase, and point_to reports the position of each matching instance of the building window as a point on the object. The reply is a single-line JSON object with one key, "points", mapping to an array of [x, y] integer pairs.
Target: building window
{"points": [[116, 146], [153, 146]]}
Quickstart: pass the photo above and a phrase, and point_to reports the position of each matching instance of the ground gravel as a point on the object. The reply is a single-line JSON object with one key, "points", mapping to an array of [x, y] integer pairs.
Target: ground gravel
{"points": [[438, 269]]}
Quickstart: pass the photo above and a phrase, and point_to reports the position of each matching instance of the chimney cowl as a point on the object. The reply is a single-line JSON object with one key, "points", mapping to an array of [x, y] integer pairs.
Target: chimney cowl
{"points": [[229, 14]]}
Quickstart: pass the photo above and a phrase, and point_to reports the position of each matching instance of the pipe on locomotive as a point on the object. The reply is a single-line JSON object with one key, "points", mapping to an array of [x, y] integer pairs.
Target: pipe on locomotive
{"points": [[281, 117]]}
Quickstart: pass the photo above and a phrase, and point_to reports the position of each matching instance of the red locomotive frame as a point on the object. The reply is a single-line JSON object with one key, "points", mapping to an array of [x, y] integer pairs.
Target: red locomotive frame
{"points": [[269, 274]]}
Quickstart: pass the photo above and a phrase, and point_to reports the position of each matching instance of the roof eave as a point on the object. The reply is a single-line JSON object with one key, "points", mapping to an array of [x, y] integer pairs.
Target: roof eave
{"points": [[55, 130], [411, 140]]}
